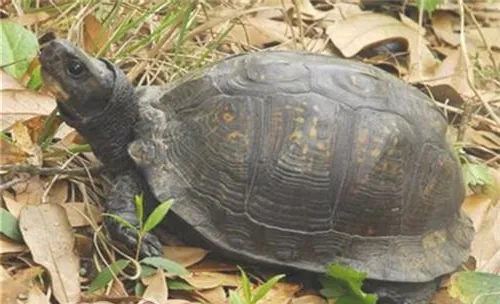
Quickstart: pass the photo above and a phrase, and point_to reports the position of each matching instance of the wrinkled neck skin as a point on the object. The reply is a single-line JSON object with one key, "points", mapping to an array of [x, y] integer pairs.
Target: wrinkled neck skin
{"points": [[110, 131]]}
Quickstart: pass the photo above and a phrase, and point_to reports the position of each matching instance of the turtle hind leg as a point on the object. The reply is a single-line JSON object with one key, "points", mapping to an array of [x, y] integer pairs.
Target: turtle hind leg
{"points": [[402, 293]]}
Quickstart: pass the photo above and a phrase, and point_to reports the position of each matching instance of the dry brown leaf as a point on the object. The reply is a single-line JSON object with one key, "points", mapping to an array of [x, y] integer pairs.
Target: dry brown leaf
{"points": [[30, 191], [157, 290], [58, 193], [482, 138], [281, 293], [22, 104], [12, 205], [10, 288], [8, 246], [186, 256], [209, 280], [490, 34], [208, 265], [486, 243], [442, 24], [11, 154], [31, 18], [309, 299], [95, 36], [216, 295], [36, 126], [79, 214], [453, 72], [36, 296], [351, 35], [21, 138], [256, 32], [8, 82], [47, 232]]}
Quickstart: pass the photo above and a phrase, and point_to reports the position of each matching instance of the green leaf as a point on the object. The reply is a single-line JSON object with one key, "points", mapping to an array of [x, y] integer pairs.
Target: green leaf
{"points": [[351, 281], [157, 215], [19, 47], [476, 174], [332, 288], [177, 284], [9, 226], [262, 290], [147, 271], [429, 5], [475, 287], [139, 208], [36, 79], [106, 275], [122, 221], [139, 289], [245, 285], [166, 264], [235, 298]]}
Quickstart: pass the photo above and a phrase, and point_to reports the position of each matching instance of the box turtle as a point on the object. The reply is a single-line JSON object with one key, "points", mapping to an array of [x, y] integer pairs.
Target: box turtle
{"points": [[288, 159]]}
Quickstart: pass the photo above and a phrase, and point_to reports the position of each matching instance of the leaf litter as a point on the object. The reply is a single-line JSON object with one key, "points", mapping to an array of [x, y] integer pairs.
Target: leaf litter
{"points": [[428, 54]]}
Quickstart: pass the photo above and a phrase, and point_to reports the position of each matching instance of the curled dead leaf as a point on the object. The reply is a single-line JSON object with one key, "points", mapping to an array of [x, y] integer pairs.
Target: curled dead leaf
{"points": [[183, 255], [210, 280]]}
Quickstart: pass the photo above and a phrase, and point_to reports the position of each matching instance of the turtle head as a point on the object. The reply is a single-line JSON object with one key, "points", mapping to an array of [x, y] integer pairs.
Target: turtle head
{"points": [[93, 96], [83, 85]]}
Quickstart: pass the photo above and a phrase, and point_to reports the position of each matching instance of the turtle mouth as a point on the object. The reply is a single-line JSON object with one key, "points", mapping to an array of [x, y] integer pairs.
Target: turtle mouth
{"points": [[53, 86]]}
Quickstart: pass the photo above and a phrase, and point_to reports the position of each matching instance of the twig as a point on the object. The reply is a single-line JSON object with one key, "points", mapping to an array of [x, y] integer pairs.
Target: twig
{"points": [[51, 171], [486, 44], [467, 108], [12, 182]]}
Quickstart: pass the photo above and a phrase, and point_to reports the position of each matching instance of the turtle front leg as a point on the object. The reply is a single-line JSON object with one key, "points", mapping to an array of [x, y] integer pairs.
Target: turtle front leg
{"points": [[120, 202]]}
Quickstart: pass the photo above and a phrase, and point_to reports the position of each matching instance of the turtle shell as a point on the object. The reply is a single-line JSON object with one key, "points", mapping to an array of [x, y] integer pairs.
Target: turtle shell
{"points": [[302, 160]]}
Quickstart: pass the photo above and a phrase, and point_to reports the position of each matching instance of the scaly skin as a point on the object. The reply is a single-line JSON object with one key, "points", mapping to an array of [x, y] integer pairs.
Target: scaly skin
{"points": [[96, 99]]}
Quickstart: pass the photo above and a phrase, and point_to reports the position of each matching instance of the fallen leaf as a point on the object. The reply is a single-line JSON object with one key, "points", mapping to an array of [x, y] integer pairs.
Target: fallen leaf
{"points": [[486, 244], [47, 232], [31, 18], [95, 36], [10, 288], [79, 214], [36, 126], [157, 290], [36, 296], [23, 104], [490, 34], [353, 34], [475, 287], [442, 24], [8, 82], [58, 193], [30, 191], [21, 137], [7, 246], [280, 293], [215, 295], [209, 280], [309, 299], [11, 154], [183, 255], [453, 72]]}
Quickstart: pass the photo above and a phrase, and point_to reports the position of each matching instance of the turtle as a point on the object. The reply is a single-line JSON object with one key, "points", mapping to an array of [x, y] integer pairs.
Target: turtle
{"points": [[289, 159]]}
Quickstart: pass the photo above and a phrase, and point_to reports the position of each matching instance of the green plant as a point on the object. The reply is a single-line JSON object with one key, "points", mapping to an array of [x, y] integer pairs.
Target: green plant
{"points": [[249, 296], [344, 285], [147, 265]]}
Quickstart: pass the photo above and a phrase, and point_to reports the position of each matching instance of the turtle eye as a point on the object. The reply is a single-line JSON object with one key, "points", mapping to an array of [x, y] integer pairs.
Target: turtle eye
{"points": [[75, 68]]}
